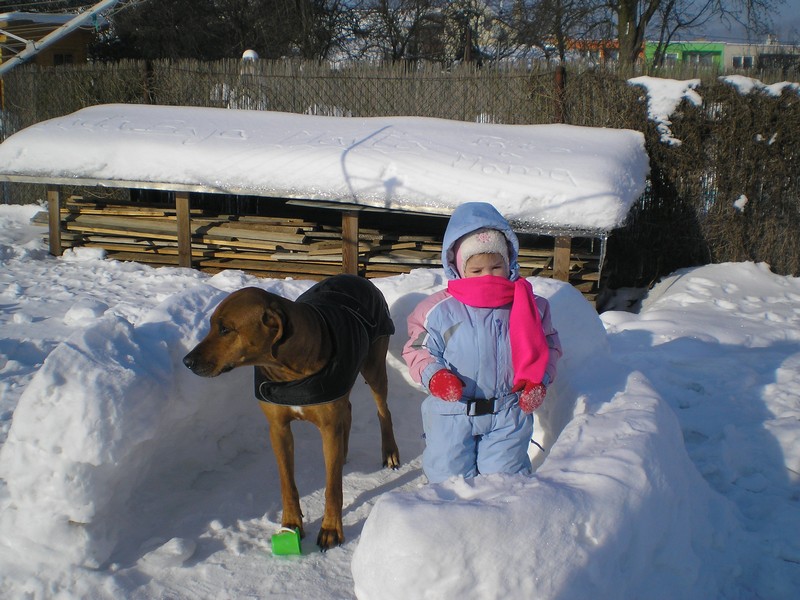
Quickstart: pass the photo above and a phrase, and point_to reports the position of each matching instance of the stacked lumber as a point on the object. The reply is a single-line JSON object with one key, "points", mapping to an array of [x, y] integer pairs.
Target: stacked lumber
{"points": [[263, 245], [279, 246]]}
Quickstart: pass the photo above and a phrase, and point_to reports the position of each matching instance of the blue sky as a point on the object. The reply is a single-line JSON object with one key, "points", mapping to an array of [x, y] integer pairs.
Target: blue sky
{"points": [[785, 20]]}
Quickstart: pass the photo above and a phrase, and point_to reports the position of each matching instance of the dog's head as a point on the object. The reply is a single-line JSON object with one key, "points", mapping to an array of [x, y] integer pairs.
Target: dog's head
{"points": [[246, 328]]}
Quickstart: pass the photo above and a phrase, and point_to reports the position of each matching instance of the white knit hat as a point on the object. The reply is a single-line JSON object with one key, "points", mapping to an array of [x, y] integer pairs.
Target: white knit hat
{"points": [[480, 241]]}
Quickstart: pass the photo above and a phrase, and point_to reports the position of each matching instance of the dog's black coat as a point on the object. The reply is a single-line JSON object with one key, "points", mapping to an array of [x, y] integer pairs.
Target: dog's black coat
{"points": [[356, 314]]}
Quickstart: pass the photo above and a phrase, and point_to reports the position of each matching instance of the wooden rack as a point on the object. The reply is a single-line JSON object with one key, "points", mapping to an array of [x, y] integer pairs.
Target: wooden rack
{"points": [[280, 246]]}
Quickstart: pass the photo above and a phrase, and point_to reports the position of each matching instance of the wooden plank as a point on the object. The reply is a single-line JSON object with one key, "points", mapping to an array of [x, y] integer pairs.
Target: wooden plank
{"points": [[261, 227], [590, 276], [138, 234], [116, 212], [277, 267], [268, 274], [273, 220], [184, 228], [112, 208], [168, 252], [561, 258], [321, 249], [350, 242], [585, 287], [530, 264], [160, 227], [390, 268], [54, 221], [248, 244], [400, 258], [150, 259]]}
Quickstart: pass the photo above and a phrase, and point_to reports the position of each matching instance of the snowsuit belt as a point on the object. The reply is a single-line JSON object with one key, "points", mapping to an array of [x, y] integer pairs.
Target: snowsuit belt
{"points": [[477, 408]]}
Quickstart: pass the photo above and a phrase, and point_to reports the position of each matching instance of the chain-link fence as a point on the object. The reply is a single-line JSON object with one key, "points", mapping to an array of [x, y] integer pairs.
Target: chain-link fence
{"points": [[729, 191]]}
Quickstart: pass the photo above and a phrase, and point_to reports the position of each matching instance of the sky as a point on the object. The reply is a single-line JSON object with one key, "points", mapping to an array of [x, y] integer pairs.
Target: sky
{"points": [[666, 454], [785, 20]]}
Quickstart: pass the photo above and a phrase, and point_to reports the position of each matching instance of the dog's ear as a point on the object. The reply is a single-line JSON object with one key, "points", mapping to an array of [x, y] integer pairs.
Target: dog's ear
{"points": [[274, 320]]}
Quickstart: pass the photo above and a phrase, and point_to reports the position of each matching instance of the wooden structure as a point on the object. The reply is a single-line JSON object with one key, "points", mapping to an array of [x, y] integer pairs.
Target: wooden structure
{"points": [[303, 239]]}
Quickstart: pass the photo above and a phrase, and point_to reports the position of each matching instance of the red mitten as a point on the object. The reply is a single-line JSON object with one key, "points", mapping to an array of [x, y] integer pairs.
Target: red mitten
{"points": [[531, 397], [445, 385]]}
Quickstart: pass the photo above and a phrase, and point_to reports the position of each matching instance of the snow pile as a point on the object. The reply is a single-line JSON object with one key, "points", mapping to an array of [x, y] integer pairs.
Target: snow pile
{"points": [[560, 533], [663, 98], [665, 95], [748, 85], [108, 409], [539, 175]]}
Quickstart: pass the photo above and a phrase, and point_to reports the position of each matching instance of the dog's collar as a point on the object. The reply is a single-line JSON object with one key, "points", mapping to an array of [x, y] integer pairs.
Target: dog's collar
{"points": [[324, 386]]}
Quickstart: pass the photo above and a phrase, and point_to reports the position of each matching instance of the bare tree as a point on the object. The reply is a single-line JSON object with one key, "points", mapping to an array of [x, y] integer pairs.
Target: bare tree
{"points": [[401, 29], [635, 17], [553, 26], [212, 29]]}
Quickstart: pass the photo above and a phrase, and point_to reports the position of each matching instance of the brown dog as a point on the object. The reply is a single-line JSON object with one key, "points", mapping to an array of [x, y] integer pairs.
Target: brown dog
{"points": [[307, 355]]}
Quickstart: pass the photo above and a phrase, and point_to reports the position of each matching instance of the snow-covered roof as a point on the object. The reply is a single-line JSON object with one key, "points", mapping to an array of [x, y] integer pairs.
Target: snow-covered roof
{"points": [[539, 176]]}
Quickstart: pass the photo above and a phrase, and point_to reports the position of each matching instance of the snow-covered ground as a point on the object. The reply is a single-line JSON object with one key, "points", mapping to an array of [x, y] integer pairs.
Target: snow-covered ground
{"points": [[672, 439]]}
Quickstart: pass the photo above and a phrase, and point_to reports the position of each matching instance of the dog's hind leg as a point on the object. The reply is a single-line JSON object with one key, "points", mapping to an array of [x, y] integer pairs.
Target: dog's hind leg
{"points": [[374, 372]]}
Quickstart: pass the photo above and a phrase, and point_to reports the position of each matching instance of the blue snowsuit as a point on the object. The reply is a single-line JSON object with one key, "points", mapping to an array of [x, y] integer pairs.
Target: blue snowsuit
{"points": [[486, 431]]}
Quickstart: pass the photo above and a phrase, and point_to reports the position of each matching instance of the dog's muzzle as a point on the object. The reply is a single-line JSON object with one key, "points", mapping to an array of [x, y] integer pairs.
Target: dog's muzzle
{"points": [[202, 368]]}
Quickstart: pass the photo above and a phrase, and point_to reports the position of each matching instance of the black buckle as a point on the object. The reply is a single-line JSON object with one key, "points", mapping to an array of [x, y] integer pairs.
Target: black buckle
{"points": [[477, 408]]}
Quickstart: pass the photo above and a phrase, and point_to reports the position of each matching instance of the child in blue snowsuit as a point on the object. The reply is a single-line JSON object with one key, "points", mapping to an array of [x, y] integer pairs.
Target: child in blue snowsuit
{"points": [[477, 419]]}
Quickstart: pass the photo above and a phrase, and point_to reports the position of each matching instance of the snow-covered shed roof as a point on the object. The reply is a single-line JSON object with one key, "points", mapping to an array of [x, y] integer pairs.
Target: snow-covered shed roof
{"points": [[539, 176]]}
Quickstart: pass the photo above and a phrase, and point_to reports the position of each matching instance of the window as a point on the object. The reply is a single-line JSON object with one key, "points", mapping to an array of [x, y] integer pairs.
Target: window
{"points": [[742, 62], [699, 58], [62, 59]]}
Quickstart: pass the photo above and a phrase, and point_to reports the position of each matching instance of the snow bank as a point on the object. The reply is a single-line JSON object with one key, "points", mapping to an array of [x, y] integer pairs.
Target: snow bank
{"points": [[560, 534], [110, 409], [540, 175], [616, 503], [113, 415]]}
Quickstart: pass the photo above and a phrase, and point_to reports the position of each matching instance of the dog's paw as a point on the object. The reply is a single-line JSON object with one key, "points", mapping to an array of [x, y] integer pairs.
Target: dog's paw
{"points": [[329, 538], [293, 525], [391, 460]]}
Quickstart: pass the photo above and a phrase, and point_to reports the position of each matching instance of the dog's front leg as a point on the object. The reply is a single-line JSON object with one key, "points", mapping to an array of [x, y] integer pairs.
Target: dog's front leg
{"points": [[333, 446], [280, 435]]}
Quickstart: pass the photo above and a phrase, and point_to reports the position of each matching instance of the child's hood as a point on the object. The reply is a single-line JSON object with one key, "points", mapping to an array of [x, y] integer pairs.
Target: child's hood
{"points": [[468, 218]]}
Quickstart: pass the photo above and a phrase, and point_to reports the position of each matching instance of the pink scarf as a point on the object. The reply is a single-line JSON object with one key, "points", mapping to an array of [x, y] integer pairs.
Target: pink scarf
{"points": [[529, 351]]}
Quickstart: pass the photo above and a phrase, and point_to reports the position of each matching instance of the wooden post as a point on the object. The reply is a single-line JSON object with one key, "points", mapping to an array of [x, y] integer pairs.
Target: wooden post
{"points": [[561, 255], [560, 94], [184, 229], [54, 221], [350, 242]]}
